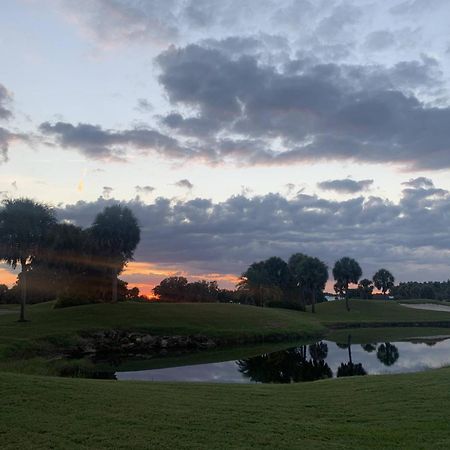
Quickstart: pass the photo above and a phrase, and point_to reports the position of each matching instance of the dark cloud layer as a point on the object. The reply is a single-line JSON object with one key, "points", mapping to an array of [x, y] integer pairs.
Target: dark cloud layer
{"points": [[97, 143], [345, 186], [410, 237], [5, 102], [318, 110]]}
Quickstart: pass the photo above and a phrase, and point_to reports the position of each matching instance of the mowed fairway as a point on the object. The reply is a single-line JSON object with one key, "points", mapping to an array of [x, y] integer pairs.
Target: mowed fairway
{"points": [[399, 411]]}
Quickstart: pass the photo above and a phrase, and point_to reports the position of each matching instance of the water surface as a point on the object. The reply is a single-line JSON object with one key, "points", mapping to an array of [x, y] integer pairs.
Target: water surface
{"points": [[323, 359]]}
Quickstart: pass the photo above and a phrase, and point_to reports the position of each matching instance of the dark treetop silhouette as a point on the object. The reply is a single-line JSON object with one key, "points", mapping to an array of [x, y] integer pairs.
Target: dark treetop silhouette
{"points": [[346, 271], [24, 229]]}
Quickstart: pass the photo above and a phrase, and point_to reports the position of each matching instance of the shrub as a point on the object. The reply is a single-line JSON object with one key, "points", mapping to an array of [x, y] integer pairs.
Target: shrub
{"points": [[65, 301], [297, 306]]}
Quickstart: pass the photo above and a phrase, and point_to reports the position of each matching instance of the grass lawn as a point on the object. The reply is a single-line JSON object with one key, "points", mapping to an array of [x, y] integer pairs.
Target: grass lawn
{"points": [[389, 411], [374, 311], [421, 301], [212, 319]]}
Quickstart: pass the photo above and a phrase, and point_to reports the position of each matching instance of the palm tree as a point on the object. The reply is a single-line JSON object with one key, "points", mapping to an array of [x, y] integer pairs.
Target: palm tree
{"points": [[24, 229], [310, 273], [388, 354], [346, 271], [383, 280], [116, 233]]}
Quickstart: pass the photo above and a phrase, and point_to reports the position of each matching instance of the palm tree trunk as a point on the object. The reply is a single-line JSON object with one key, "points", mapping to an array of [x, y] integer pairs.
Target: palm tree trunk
{"points": [[23, 290], [347, 305], [114, 286], [349, 343]]}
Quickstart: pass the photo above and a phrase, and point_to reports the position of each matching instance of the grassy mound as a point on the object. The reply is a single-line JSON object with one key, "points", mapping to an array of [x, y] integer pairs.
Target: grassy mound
{"points": [[394, 411], [215, 320]]}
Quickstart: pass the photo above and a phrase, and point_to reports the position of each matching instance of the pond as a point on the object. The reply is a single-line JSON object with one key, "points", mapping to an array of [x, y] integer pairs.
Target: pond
{"points": [[322, 359]]}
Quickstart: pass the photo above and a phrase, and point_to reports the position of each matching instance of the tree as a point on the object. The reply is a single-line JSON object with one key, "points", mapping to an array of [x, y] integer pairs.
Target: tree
{"points": [[172, 289], [346, 271], [365, 288], [266, 280], [3, 293], [383, 280], [24, 227], [116, 234], [311, 275]]}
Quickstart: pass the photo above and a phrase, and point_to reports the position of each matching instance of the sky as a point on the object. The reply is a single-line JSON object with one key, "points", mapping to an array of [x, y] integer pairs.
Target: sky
{"points": [[235, 130]]}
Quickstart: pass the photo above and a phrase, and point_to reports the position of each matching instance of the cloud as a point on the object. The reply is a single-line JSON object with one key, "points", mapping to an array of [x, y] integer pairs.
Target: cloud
{"points": [[379, 40], [94, 142], [185, 184], [143, 105], [310, 111], [116, 23], [345, 186], [144, 189], [6, 139], [107, 191], [5, 101], [409, 237], [420, 182]]}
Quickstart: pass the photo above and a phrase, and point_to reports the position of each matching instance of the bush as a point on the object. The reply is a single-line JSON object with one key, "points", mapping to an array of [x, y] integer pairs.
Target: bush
{"points": [[74, 300], [297, 306]]}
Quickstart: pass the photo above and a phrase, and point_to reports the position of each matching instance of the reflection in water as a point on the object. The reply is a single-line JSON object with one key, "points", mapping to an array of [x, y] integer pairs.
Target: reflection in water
{"points": [[369, 348], [307, 363], [387, 353], [350, 369], [288, 366], [318, 351]]}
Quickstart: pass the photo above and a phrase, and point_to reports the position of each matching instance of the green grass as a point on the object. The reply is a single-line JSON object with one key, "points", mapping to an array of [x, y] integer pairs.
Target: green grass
{"points": [[51, 329], [389, 411], [392, 411], [375, 312], [381, 334], [422, 301], [212, 319]]}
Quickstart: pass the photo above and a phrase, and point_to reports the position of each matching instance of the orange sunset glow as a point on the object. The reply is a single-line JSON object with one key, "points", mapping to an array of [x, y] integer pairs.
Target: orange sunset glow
{"points": [[146, 276]]}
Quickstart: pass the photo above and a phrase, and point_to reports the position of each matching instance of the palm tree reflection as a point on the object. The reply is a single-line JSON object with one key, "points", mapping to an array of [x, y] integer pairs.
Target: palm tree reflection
{"points": [[349, 369], [288, 366], [387, 353]]}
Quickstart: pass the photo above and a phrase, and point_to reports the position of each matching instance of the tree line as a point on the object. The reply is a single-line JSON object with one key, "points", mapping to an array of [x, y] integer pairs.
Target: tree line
{"points": [[62, 260], [276, 283]]}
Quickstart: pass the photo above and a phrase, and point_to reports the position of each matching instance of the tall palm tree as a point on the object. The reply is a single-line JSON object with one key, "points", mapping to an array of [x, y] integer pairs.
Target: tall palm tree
{"points": [[24, 230], [116, 234], [346, 271]]}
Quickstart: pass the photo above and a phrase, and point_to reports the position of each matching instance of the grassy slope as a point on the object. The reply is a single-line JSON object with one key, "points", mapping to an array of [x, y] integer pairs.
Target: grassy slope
{"points": [[220, 320], [395, 411], [366, 311]]}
